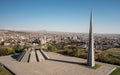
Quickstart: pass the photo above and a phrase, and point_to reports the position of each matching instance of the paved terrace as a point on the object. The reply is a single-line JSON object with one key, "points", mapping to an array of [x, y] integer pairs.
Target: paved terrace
{"points": [[56, 65]]}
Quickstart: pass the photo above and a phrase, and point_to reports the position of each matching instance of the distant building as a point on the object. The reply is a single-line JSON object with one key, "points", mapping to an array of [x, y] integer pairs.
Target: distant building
{"points": [[6, 44]]}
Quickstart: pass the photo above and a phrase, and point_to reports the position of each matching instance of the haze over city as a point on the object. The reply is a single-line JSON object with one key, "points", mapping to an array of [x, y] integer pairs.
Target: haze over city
{"points": [[60, 15]]}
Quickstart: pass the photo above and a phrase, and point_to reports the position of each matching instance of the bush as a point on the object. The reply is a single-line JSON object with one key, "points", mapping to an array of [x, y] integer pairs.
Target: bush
{"points": [[52, 48], [17, 48], [6, 51], [109, 57], [105, 56], [9, 51], [60, 45]]}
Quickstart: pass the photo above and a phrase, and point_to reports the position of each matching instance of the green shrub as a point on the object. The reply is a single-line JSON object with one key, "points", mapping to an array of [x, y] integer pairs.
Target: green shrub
{"points": [[17, 48], [9, 51], [109, 57], [52, 48], [6, 51]]}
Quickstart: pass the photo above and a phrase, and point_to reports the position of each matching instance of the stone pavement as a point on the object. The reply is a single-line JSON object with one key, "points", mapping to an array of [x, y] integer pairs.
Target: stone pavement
{"points": [[56, 65]]}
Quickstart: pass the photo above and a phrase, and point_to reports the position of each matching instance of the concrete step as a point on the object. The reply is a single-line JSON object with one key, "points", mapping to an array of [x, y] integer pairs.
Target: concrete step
{"points": [[33, 57], [40, 56], [21, 56], [26, 56], [44, 54]]}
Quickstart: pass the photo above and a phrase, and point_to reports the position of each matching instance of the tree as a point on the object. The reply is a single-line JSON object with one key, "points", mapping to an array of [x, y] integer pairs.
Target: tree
{"points": [[6, 51], [9, 51], [52, 48], [17, 48]]}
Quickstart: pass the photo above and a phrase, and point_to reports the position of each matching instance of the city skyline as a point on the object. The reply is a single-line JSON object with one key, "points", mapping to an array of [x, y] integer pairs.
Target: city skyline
{"points": [[61, 15]]}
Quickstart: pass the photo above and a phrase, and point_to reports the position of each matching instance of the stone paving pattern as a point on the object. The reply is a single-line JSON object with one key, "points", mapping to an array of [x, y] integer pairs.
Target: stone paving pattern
{"points": [[56, 65]]}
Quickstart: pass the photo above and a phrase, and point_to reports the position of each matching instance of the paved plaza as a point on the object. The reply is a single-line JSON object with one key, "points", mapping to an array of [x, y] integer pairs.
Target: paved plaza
{"points": [[57, 64]]}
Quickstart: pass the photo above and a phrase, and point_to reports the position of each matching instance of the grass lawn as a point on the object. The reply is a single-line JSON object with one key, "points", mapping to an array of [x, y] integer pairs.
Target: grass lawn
{"points": [[113, 53], [3, 71], [95, 67], [116, 71]]}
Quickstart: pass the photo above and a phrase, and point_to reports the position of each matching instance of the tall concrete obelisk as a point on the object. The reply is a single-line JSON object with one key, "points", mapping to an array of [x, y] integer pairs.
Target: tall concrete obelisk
{"points": [[91, 59]]}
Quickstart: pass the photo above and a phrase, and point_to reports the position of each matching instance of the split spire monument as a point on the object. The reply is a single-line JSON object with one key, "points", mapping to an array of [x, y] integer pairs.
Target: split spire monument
{"points": [[91, 59]]}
